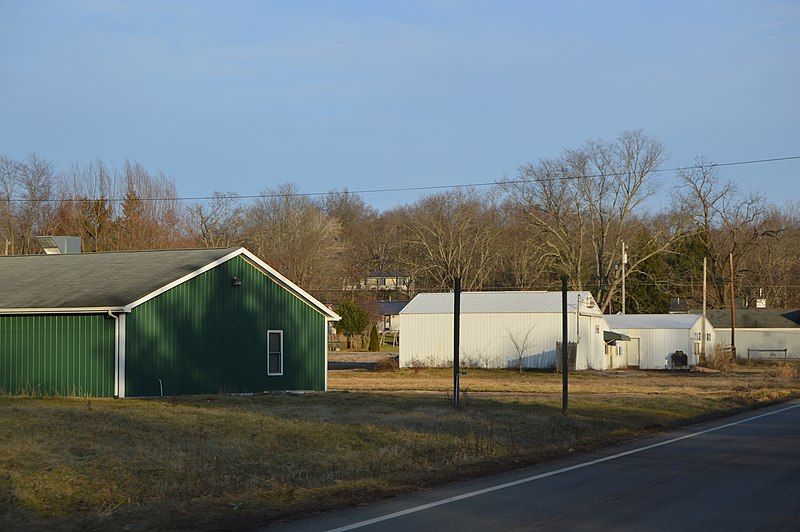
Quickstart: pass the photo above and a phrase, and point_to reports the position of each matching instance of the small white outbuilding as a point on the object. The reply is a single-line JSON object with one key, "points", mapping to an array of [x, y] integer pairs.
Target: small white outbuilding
{"points": [[500, 329], [655, 337]]}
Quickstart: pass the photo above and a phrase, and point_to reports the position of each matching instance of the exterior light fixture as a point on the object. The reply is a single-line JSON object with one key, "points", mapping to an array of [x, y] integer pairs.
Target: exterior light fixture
{"points": [[236, 281]]}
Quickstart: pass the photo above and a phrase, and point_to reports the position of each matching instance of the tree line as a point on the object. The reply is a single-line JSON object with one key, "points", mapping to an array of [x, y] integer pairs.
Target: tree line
{"points": [[568, 214]]}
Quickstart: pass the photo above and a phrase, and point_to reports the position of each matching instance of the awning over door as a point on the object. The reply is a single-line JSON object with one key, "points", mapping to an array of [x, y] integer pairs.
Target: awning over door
{"points": [[612, 337]]}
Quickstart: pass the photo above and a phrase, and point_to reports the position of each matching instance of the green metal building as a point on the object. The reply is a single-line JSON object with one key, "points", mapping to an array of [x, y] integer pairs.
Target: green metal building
{"points": [[148, 323]]}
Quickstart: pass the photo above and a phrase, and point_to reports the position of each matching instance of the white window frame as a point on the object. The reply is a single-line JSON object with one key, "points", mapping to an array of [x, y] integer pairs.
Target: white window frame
{"points": [[270, 373]]}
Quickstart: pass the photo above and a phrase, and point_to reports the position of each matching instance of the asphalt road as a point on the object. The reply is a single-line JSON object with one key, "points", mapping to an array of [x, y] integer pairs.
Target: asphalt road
{"points": [[740, 473]]}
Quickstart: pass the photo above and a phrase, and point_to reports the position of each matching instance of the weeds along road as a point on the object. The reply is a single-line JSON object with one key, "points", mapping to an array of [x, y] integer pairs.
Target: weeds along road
{"points": [[739, 473]]}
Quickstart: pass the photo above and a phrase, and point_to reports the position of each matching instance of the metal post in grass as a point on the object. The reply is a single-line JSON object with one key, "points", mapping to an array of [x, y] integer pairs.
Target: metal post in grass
{"points": [[564, 347], [733, 311], [456, 337]]}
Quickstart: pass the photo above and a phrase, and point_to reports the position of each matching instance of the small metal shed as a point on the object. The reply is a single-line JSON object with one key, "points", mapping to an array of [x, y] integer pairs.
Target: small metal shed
{"points": [[157, 322], [655, 337]]}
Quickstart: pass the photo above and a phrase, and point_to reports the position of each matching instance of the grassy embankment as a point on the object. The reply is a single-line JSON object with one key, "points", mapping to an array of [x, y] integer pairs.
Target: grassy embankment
{"points": [[223, 461]]}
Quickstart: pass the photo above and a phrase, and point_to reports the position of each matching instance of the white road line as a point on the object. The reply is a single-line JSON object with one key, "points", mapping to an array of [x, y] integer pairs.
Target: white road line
{"points": [[525, 480]]}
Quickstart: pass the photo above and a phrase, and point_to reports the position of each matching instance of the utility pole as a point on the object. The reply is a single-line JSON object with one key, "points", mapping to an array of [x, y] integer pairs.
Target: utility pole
{"points": [[733, 311], [703, 353], [624, 263], [564, 348], [456, 338]]}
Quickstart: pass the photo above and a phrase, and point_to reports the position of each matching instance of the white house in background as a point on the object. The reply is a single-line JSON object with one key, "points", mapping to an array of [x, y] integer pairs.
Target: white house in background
{"points": [[770, 334], [493, 322], [655, 337]]}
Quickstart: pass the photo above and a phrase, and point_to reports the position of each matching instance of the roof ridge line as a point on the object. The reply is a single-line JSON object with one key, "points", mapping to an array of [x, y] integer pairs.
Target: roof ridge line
{"points": [[120, 252]]}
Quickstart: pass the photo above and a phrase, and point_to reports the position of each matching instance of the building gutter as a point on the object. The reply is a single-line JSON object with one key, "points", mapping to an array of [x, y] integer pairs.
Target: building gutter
{"points": [[119, 353], [116, 352], [62, 310]]}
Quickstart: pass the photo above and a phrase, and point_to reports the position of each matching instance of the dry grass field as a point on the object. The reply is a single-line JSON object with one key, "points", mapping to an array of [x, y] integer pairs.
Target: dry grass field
{"points": [[237, 461]]}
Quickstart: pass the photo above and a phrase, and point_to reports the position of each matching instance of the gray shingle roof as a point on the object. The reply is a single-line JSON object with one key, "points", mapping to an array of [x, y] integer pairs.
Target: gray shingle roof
{"points": [[755, 318], [94, 279], [388, 308]]}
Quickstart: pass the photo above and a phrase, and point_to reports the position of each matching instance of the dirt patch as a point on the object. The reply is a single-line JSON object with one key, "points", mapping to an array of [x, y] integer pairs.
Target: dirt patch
{"points": [[341, 360]]}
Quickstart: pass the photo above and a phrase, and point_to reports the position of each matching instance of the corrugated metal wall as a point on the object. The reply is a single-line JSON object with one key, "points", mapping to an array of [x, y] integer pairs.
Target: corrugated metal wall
{"points": [[486, 339], [656, 345], [207, 336], [771, 339], [57, 354]]}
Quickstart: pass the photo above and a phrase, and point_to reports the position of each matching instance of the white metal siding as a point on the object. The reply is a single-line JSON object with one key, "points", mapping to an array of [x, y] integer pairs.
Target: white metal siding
{"points": [[485, 339], [657, 345], [767, 338]]}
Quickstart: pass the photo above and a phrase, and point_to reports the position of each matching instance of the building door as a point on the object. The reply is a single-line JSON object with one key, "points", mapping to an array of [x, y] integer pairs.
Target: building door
{"points": [[632, 351]]}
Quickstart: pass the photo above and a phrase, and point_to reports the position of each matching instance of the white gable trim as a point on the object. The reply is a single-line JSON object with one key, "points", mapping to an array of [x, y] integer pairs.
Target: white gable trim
{"points": [[328, 313], [181, 280]]}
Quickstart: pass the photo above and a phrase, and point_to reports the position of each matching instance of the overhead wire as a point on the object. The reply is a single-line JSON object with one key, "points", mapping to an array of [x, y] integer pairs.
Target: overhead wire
{"points": [[268, 195]]}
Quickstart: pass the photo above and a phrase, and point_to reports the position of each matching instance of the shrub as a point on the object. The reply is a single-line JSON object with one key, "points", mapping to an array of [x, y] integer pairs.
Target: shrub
{"points": [[785, 370], [387, 364], [417, 365], [720, 358]]}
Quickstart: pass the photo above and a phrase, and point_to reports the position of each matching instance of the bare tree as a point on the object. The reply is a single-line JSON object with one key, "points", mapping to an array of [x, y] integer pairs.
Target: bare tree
{"points": [[522, 341], [219, 222], [524, 261], [150, 216], [451, 235], [27, 192], [119, 209], [357, 222], [727, 220], [590, 200], [295, 236]]}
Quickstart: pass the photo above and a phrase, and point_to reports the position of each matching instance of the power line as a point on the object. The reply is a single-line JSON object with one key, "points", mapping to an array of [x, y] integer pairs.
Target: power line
{"points": [[663, 285], [399, 189]]}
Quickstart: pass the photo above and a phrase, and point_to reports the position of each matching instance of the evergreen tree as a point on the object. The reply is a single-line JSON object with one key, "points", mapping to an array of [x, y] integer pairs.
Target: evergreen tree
{"points": [[354, 320], [374, 339]]}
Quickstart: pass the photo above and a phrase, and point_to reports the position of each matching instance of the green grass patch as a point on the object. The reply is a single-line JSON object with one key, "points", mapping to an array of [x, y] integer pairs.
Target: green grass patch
{"points": [[231, 461]]}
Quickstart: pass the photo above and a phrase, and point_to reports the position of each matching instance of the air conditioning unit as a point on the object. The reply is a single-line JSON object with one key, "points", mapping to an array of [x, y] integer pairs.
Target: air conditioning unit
{"points": [[60, 245]]}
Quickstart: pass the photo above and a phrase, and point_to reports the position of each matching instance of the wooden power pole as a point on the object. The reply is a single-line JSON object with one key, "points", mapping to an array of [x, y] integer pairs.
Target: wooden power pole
{"points": [[624, 264], [703, 353]]}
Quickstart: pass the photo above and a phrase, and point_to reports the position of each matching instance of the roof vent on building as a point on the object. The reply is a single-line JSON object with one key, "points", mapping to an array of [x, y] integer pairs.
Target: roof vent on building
{"points": [[60, 245]]}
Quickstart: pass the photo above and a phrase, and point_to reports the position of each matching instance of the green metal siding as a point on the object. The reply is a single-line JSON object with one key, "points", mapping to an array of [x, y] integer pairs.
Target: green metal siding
{"points": [[208, 336], [59, 354]]}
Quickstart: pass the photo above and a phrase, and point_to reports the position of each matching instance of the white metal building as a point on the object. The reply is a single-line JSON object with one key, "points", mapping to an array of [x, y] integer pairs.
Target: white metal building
{"points": [[493, 322], [769, 334], [655, 337]]}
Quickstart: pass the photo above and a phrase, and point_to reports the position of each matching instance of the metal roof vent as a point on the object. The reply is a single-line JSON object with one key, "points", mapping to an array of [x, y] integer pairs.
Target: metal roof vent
{"points": [[60, 245]]}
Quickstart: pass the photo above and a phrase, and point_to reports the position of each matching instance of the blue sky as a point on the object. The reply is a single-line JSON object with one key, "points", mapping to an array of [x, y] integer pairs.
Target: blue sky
{"points": [[246, 95]]}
